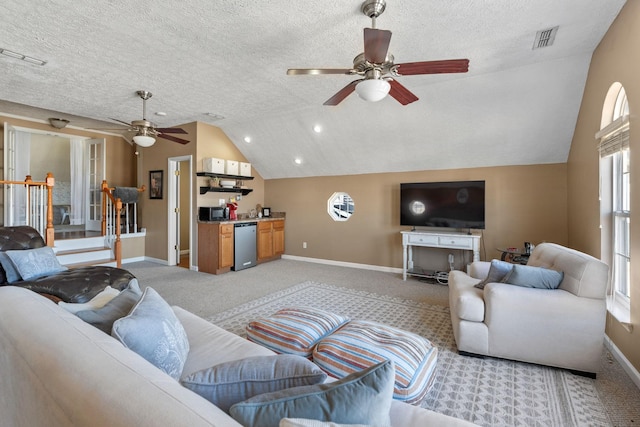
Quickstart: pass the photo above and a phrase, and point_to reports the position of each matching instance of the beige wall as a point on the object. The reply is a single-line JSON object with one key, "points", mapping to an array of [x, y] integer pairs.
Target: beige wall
{"points": [[523, 203], [616, 59]]}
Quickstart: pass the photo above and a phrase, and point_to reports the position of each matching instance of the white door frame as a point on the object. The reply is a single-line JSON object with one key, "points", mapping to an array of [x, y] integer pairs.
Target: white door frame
{"points": [[172, 205]]}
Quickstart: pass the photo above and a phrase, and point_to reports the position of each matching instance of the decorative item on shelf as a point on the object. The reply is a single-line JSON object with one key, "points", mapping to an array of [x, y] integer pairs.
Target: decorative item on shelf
{"points": [[227, 183], [214, 182]]}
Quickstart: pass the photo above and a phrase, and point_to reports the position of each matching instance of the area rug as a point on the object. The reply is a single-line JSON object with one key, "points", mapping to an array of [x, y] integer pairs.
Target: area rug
{"points": [[487, 392]]}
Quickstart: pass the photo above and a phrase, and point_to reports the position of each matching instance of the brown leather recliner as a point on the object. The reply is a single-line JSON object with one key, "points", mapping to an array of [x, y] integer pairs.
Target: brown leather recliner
{"points": [[75, 285]]}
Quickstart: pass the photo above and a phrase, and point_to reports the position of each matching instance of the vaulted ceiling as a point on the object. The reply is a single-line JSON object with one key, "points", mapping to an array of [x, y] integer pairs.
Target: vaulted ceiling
{"points": [[225, 63]]}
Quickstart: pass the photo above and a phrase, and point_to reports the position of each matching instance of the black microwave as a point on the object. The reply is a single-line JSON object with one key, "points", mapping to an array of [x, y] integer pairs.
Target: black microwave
{"points": [[213, 213]]}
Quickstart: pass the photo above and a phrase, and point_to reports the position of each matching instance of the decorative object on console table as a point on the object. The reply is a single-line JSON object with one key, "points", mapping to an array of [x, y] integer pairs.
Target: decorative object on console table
{"points": [[155, 184], [515, 255], [266, 212]]}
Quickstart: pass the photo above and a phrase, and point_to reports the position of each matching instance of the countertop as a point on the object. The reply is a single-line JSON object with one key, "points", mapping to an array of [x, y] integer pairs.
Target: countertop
{"points": [[243, 220]]}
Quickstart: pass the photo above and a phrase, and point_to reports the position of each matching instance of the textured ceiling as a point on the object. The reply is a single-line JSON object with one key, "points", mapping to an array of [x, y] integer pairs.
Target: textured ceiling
{"points": [[515, 106]]}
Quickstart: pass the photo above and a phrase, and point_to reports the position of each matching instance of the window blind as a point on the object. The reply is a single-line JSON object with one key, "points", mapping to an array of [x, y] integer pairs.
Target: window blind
{"points": [[614, 137]]}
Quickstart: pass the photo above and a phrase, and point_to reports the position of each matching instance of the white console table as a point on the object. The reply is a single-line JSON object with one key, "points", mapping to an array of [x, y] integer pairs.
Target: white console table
{"points": [[438, 239]]}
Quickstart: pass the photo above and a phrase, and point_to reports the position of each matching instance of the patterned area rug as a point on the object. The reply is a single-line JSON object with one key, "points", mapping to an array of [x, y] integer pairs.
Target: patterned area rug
{"points": [[488, 392]]}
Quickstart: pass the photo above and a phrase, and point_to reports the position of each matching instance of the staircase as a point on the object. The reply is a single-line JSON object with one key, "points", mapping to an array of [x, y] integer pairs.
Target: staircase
{"points": [[82, 252]]}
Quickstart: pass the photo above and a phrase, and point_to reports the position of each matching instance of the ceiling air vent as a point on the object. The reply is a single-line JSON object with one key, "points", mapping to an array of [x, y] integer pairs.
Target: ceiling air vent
{"points": [[545, 38]]}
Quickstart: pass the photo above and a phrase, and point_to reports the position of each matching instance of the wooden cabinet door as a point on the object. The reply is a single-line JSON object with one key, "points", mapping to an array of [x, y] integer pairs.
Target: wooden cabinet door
{"points": [[226, 246], [278, 237], [265, 240]]}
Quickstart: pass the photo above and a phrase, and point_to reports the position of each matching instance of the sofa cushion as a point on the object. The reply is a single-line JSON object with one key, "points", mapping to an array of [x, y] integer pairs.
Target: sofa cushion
{"points": [[154, 332], [360, 344], [294, 330], [232, 382], [497, 271], [103, 317], [10, 270], [94, 303], [34, 263], [360, 398], [534, 277]]}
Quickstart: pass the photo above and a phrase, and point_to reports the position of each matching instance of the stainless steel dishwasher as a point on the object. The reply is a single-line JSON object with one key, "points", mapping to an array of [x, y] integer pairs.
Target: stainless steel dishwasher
{"points": [[244, 245]]}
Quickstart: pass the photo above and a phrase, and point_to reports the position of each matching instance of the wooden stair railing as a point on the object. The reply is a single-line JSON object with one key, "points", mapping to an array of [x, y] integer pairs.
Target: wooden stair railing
{"points": [[107, 193], [49, 182]]}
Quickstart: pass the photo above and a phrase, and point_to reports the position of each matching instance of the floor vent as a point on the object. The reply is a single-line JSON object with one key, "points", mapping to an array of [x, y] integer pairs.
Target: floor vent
{"points": [[545, 38]]}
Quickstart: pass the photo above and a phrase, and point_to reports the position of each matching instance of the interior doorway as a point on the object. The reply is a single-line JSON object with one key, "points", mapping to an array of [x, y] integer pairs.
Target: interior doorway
{"points": [[179, 185]]}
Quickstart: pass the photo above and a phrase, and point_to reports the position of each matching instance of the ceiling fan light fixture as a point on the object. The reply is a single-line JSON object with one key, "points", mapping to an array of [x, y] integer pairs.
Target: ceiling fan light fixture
{"points": [[373, 90], [58, 123], [144, 140]]}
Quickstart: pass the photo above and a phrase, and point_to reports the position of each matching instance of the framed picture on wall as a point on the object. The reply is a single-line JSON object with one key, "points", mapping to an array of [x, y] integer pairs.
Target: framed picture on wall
{"points": [[155, 184]]}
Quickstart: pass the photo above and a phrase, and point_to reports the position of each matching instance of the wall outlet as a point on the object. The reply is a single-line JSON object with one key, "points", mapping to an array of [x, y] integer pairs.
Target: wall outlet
{"points": [[304, 245]]}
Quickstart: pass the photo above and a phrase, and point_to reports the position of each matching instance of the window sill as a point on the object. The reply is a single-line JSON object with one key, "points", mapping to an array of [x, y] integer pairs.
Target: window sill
{"points": [[621, 313]]}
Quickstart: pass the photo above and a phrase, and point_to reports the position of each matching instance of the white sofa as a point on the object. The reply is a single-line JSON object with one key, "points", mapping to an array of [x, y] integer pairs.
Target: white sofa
{"points": [[56, 370], [562, 327]]}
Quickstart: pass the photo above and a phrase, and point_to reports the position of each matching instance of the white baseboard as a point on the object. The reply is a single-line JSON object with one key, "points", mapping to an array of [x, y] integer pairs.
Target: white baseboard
{"points": [[156, 260], [344, 264], [134, 259], [624, 362]]}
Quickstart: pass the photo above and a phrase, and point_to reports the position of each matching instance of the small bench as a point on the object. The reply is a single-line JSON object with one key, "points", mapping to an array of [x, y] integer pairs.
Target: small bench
{"points": [[340, 346]]}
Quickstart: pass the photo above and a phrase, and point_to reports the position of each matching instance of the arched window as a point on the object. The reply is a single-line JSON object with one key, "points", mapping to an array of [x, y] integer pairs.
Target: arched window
{"points": [[615, 195]]}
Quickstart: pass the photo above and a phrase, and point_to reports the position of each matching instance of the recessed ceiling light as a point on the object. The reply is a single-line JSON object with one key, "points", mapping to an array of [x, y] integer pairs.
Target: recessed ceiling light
{"points": [[298, 161], [247, 139], [317, 128]]}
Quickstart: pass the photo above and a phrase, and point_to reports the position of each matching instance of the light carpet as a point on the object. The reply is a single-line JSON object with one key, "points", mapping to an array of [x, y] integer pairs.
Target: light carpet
{"points": [[488, 392]]}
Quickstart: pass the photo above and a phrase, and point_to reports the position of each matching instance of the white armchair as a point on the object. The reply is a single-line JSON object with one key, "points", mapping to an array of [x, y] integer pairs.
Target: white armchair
{"points": [[561, 327]]}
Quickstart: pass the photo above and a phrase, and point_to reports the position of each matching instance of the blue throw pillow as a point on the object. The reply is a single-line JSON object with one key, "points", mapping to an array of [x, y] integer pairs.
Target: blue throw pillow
{"points": [[9, 268], [497, 272], [34, 263], [360, 398], [534, 277], [104, 317], [238, 380], [154, 332]]}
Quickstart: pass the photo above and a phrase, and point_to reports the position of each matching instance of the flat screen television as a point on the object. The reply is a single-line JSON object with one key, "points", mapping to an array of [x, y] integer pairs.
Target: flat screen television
{"points": [[456, 204]]}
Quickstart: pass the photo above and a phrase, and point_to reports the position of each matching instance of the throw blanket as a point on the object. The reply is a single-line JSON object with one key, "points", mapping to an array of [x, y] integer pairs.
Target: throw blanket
{"points": [[126, 194]]}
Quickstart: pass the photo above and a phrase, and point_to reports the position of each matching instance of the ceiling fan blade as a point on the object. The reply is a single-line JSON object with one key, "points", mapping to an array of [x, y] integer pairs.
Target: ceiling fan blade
{"points": [[317, 71], [120, 121], [342, 93], [432, 67], [400, 93], [171, 130], [376, 45], [173, 138]]}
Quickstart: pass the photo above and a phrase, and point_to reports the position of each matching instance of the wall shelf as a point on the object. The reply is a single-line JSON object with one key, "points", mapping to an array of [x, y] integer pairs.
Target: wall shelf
{"points": [[243, 191], [224, 176]]}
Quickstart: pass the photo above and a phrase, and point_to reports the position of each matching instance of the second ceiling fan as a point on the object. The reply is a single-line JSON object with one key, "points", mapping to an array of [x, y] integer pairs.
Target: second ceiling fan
{"points": [[377, 68]]}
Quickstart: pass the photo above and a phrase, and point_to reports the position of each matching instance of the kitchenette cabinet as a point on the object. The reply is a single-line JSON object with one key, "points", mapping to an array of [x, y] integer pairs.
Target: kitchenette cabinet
{"points": [[215, 247], [270, 240]]}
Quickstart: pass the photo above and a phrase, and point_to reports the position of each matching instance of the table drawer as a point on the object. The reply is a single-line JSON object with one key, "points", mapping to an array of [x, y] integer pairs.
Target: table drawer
{"points": [[456, 242], [424, 239]]}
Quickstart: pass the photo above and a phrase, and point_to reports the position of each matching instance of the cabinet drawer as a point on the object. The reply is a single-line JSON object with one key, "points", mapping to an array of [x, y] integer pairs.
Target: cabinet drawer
{"points": [[456, 242], [423, 239], [226, 228]]}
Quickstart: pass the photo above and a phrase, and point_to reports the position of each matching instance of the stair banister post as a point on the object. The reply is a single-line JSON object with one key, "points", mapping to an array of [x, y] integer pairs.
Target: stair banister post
{"points": [[50, 232], [118, 244], [105, 190], [28, 181]]}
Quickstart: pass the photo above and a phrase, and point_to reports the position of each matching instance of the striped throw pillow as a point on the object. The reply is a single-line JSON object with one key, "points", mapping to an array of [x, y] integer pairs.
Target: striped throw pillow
{"points": [[360, 344], [294, 330]]}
